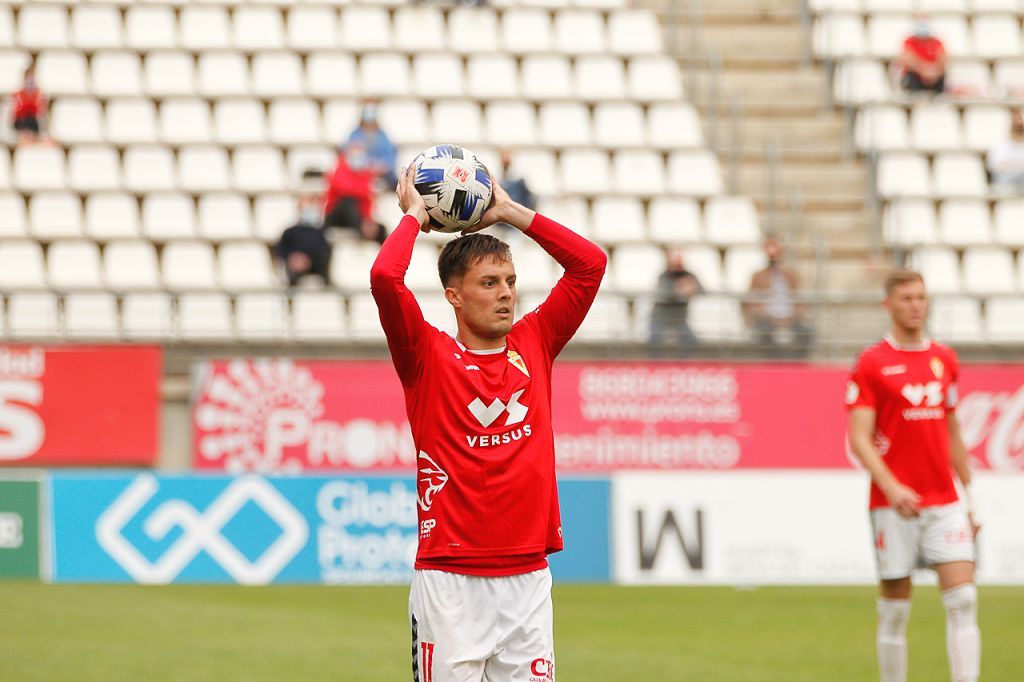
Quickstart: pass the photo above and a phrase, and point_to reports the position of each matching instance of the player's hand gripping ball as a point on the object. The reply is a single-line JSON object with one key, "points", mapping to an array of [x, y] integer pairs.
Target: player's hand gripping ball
{"points": [[455, 186]]}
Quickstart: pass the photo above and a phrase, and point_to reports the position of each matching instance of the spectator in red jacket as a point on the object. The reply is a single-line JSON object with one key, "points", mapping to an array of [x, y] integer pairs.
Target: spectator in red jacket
{"points": [[923, 59], [28, 107], [348, 194]]}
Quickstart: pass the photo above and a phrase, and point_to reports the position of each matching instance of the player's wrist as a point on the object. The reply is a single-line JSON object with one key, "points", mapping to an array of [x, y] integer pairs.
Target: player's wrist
{"points": [[419, 213]]}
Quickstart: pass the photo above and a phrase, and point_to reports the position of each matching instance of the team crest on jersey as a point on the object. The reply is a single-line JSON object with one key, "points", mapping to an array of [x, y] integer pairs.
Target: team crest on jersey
{"points": [[517, 361], [430, 481], [937, 367], [852, 392]]}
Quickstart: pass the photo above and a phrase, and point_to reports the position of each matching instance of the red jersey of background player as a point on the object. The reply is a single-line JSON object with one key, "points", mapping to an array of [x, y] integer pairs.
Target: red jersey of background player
{"points": [[912, 390], [481, 421]]}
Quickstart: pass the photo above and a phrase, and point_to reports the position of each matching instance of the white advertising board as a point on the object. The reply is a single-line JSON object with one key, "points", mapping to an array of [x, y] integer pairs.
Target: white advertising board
{"points": [[791, 527]]}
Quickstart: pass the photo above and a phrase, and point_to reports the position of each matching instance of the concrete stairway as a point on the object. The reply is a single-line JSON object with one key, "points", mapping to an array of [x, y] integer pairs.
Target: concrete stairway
{"points": [[782, 105]]}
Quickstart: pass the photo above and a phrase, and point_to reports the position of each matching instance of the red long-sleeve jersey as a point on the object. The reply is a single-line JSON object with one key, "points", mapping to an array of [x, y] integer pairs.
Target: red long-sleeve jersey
{"points": [[481, 420]]}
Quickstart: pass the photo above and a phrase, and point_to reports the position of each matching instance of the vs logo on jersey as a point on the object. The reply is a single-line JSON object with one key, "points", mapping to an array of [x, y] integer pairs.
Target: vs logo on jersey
{"points": [[486, 414]]}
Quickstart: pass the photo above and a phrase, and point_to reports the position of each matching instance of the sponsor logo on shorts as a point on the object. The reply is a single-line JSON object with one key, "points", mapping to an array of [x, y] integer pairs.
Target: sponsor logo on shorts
{"points": [[427, 661], [542, 669]]}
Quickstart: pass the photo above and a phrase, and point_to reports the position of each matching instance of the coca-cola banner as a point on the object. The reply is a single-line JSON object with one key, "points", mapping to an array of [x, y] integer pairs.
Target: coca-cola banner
{"points": [[280, 415], [79, 405]]}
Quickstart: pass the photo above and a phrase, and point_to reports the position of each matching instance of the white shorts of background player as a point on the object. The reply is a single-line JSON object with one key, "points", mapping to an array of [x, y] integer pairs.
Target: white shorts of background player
{"points": [[940, 535], [476, 629]]}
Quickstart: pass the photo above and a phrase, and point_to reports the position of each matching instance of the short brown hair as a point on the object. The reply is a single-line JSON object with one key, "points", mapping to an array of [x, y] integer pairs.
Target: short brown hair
{"points": [[900, 277], [458, 255]]}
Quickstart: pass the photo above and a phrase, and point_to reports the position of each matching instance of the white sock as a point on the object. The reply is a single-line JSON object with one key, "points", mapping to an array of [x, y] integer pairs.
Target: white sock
{"points": [[963, 639], [891, 640]]}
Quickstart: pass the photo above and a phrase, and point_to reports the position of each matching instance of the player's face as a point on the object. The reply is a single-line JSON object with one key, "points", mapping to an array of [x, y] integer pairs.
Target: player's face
{"points": [[908, 306], [485, 298]]}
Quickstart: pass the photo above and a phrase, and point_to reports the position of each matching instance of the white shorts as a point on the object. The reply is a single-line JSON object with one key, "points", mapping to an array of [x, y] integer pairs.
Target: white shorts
{"points": [[938, 536], [472, 629]]}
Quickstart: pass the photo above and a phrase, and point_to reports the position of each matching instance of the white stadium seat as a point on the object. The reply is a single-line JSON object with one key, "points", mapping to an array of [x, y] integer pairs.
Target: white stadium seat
{"points": [[539, 168], [364, 320], [43, 26], [939, 267], [318, 315], [996, 36], [437, 75], [951, 29], [116, 74], [525, 30], [964, 221], [204, 316], [420, 25], [634, 31], [96, 27], [619, 124], [989, 270], [224, 216], [546, 77], [839, 35], [910, 222], [955, 319], [261, 316], [312, 157], [608, 320], [203, 169], [935, 127], [731, 220], [1004, 319], [340, 117], [350, 265], [147, 316], [33, 315], [639, 172], [959, 175], [223, 74], [257, 28], [330, 75], [883, 128], [91, 316], [12, 216], [861, 81], [705, 263], [22, 265], [6, 26], [188, 265], [111, 215], [457, 121], [886, 33], [510, 124], [384, 75], [1008, 218], [168, 216], [13, 64], [74, 120], [695, 173], [571, 212], [38, 168], [674, 126], [739, 266], [1009, 77], [169, 74], [204, 27], [580, 32], [715, 318], [535, 269], [968, 78], [585, 171], [148, 168], [985, 126], [472, 30], [74, 265], [272, 214], [565, 124], [277, 74], [245, 266], [422, 273], [654, 78], [149, 27], [903, 175], [406, 121], [365, 28], [311, 27], [185, 121], [674, 220], [600, 78], [61, 73], [130, 265], [634, 268], [294, 121], [492, 76], [5, 169], [239, 121], [618, 220], [131, 121], [258, 169], [54, 215]]}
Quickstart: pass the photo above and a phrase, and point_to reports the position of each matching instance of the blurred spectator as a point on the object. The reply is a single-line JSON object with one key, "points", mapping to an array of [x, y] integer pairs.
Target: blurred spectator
{"points": [[670, 328], [514, 183], [381, 152], [348, 194], [28, 107], [773, 310], [1006, 160], [303, 247], [923, 59]]}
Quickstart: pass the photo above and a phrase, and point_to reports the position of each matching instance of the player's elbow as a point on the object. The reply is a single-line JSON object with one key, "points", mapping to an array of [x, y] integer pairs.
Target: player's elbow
{"points": [[382, 276]]}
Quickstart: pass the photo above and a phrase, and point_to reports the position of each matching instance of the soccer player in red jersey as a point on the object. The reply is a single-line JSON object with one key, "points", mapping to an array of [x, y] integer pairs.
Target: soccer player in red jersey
{"points": [[479, 405], [902, 400]]}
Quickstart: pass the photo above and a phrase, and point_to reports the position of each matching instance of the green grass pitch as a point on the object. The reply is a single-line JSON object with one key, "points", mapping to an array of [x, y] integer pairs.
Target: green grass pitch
{"points": [[354, 634]]}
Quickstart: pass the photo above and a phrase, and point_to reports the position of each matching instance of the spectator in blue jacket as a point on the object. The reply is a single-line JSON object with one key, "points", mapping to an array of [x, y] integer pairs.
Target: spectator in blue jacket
{"points": [[382, 152]]}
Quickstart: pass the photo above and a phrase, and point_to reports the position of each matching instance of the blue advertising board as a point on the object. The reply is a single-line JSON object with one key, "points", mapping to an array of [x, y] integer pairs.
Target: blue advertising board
{"points": [[145, 528]]}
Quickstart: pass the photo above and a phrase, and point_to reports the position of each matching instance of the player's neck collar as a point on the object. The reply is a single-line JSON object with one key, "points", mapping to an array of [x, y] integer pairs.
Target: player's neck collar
{"points": [[488, 351], [925, 344]]}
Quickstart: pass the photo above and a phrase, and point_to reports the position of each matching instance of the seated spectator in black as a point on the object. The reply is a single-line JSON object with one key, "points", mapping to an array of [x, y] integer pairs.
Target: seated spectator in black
{"points": [[1005, 161], [670, 330], [923, 59], [773, 309], [303, 247], [28, 107], [348, 194], [381, 152]]}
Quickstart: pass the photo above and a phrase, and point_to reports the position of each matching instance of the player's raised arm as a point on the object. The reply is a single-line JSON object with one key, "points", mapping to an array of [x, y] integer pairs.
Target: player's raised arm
{"points": [[584, 262], [400, 314]]}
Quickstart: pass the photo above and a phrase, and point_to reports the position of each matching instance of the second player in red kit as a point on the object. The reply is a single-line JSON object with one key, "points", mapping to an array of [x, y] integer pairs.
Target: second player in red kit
{"points": [[479, 405]]}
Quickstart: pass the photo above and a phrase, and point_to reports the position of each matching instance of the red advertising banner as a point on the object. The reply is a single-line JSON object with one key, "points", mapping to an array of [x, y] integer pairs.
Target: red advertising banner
{"points": [[79, 405], [279, 415]]}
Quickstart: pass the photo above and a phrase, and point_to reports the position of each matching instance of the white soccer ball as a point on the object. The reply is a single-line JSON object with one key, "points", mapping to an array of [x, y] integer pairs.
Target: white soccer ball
{"points": [[454, 185]]}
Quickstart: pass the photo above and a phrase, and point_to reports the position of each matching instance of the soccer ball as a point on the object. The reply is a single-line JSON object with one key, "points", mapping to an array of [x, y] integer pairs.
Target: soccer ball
{"points": [[454, 185]]}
